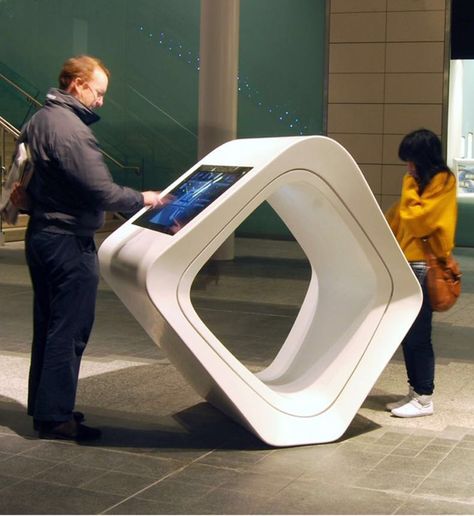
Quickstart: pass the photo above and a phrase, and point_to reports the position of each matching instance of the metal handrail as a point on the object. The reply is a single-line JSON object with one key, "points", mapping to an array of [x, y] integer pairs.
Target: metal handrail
{"points": [[5, 127], [31, 99], [9, 127], [21, 90], [136, 169]]}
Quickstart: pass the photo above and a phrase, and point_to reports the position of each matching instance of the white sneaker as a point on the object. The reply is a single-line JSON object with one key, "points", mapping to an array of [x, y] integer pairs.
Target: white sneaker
{"points": [[419, 405], [403, 401]]}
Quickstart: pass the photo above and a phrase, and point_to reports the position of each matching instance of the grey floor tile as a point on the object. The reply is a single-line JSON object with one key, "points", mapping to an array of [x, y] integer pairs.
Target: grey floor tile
{"points": [[184, 455], [34, 497], [275, 465], [142, 464], [443, 441], [447, 490], [466, 444], [406, 451], [68, 474], [393, 439], [383, 448], [434, 456], [139, 506], [96, 457], [25, 467], [296, 461], [16, 444], [225, 501], [437, 448], [151, 467], [4, 456], [408, 465], [114, 482], [306, 456], [249, 484], [333, 473], [171, 490], [434, 506], [204, 475], [387, 481], [457, 466], [8, 481], [349, 459], [234, 459], [418, 442], [54, 450], [303, 497]]}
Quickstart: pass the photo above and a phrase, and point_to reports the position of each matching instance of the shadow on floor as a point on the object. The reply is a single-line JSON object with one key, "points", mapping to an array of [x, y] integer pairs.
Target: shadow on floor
{"points": [[200, 427], [360, 425], [13, 416]]}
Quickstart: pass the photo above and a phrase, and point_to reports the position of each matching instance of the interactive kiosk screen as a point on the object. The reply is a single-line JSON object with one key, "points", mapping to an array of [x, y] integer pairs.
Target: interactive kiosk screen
{"points": [[195, 193]]}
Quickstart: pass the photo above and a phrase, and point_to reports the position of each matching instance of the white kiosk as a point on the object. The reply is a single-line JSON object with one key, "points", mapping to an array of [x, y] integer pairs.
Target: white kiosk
{"points": [[361, 301]]}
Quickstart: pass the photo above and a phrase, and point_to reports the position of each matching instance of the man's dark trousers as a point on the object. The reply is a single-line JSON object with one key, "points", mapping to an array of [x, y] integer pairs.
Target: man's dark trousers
{"points": [[65, 274]]}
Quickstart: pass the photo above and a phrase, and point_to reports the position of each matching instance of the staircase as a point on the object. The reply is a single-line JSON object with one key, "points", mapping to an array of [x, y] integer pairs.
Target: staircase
{"points": [[8, 135], [15, 233]]}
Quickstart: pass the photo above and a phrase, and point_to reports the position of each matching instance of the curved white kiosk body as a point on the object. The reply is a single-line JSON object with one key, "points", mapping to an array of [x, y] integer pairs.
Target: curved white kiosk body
{"points": [[361, 301]]}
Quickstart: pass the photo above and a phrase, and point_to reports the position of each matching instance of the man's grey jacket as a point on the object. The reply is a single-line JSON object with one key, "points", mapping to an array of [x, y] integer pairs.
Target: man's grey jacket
{"points": [[71, 186]]}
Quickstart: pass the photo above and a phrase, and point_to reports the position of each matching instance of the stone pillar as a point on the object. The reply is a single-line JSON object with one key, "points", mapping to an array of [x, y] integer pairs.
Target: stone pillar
{"points": [[219, 62]]}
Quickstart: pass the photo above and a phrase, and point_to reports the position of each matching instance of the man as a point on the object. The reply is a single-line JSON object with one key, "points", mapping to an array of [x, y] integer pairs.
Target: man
{"points": [[70, 189]]}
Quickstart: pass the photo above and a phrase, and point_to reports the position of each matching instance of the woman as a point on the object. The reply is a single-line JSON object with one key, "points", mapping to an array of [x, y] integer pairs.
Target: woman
{"points": [[427, 207]]}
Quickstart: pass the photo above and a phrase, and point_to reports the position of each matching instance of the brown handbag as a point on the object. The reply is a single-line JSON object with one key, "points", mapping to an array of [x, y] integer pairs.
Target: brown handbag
{"points": [[443, 279]]}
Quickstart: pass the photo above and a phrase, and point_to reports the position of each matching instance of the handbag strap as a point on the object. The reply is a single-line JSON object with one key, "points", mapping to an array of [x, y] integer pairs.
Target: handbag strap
{"points": [[431, 258], [426, 245]]}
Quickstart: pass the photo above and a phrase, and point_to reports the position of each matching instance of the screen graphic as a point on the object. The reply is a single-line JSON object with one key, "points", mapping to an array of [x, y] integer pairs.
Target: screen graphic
{"points": [[195, 193]]}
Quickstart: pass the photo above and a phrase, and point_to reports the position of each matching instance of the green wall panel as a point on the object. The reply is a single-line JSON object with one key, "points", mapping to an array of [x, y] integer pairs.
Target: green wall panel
{"points": [[281, 80], [152, 48], [282, 67], [464, 231]]}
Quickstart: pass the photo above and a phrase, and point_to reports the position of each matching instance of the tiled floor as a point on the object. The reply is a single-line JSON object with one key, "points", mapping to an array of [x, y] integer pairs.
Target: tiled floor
{"points": [[165, 451]]}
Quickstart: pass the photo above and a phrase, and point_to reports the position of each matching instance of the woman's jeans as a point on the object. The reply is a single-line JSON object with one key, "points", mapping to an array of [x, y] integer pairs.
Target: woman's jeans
{"points": [[417, 346]]}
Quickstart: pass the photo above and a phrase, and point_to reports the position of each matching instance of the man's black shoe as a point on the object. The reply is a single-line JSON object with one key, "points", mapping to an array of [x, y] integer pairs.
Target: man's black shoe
{"points": [[78, 417], [69, 431]]}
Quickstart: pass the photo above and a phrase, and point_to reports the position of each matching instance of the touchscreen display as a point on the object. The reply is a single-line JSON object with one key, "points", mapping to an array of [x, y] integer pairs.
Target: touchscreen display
{"points": [[195, 193]]}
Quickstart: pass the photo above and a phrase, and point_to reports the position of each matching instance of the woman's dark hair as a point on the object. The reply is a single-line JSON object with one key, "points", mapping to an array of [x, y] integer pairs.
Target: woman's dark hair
{"points": [[423, 148]]}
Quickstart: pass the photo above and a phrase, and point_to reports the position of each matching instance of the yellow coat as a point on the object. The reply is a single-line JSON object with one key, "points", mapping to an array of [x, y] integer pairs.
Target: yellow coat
{"points": [[433, 214]]}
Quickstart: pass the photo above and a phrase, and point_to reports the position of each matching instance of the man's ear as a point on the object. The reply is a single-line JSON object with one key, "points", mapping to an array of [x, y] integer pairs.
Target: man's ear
{"points": [[75, 85]]}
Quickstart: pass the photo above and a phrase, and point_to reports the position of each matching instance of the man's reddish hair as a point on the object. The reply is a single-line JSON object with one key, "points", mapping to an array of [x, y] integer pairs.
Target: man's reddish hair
{"points": [[80, 66]]}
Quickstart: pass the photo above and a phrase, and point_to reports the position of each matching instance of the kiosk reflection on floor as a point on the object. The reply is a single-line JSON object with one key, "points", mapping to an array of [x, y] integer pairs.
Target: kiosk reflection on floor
{"points": [[361, 301]]}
